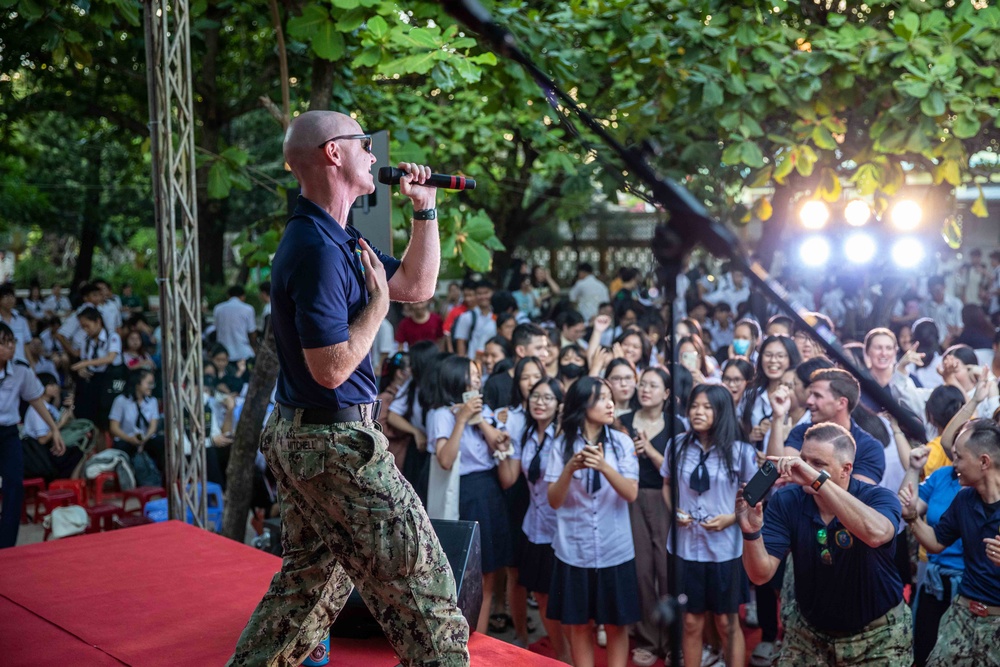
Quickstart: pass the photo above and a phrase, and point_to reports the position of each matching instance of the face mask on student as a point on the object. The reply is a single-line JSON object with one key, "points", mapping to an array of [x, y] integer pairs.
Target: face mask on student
{"points": [[741, 346], [571, 371]]}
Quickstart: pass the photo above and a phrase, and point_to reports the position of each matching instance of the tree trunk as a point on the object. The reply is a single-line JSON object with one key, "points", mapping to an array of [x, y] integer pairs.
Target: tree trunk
{"points": [[240, 471], [90, 231], [211, 212], [322, 84]]}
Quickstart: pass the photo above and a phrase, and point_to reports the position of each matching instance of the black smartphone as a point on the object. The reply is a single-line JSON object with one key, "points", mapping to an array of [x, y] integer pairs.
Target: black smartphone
{"points": [[760, 483]]}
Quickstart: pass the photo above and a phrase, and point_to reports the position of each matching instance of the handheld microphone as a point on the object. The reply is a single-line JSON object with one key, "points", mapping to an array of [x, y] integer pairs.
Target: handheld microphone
{"points": [[391, 176]]}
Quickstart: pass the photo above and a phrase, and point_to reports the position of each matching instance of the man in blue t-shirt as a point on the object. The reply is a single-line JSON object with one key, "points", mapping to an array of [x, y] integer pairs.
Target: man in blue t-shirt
{"points": [[348, 517], [840, 532], [970, 629], [833, 395]]}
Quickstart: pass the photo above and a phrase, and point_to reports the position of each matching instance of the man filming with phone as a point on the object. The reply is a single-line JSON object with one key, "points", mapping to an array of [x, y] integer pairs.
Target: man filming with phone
{"points": [[840, 533]]}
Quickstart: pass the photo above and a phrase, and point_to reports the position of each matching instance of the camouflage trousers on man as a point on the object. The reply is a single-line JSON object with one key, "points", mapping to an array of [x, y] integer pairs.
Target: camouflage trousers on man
{"points": [[890, 645], [348, 516], [966, 640]]}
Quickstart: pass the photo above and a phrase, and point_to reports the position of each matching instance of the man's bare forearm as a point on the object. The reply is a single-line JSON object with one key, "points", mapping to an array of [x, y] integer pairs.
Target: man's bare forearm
{"points": [[416, 277]]}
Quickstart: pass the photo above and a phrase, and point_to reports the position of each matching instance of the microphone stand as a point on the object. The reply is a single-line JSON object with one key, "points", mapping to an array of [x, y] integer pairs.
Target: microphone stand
{"points": [[689, 225]]}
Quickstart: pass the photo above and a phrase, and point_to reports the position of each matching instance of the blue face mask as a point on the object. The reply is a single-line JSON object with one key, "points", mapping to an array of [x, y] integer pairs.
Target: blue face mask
{"points": [[741, 346]]}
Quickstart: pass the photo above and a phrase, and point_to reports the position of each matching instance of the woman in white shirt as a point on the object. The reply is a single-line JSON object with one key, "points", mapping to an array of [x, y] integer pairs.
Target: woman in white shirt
{"points": [[135, 416], [712, 462], [452, 439], [99, 349], [532, 433], [593, 475]]}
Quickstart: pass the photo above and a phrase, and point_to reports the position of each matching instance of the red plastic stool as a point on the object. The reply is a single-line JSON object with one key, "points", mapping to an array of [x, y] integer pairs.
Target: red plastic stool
{"points": [[100, 481], [77, 486], [102, 517], [130, 520], [143, 494], [52, 500], [35, 485]]}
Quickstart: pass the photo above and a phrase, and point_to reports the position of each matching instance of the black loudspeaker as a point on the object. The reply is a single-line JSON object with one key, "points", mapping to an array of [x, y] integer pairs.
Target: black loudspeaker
{"points": [[460, 540]]}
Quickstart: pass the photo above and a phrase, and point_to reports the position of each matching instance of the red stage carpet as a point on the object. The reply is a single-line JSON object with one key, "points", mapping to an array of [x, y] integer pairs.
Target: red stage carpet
{"points": [[163, 594]]}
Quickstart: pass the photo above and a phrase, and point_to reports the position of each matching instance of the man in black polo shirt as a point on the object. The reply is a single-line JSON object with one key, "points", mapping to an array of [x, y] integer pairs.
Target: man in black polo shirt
{"points": [[833, 395], [970, 629], [840, 533], [348, 516]]}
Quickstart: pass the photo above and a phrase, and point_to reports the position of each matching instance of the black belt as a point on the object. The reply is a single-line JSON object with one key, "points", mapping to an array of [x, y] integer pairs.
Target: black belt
{"points": [[352, 413]]}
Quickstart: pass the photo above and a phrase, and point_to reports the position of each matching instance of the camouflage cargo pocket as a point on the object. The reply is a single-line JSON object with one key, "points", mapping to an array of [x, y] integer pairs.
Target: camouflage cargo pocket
{"points": [[395, 546]]}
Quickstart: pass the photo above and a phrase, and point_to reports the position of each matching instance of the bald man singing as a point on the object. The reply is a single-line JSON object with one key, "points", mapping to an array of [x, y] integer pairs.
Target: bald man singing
{"points": [[348, 517]]}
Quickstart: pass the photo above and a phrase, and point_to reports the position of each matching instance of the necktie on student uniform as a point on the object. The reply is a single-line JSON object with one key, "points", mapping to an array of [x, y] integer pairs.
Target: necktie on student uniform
{"points": [[700, 482], [595, 476], [535, 468]]}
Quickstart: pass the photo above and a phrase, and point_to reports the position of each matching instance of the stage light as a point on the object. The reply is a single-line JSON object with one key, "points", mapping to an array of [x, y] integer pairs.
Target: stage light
{"points": [[859, 248], [814, 251], [857, 212], [906, 215], [814, 214], [907, 253]]}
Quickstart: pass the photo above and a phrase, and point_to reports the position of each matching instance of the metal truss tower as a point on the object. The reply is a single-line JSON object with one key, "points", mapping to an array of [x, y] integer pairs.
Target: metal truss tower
{"points": [[172, 125]]}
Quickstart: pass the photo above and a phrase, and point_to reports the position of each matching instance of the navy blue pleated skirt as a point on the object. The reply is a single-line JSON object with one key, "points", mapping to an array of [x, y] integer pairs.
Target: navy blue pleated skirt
{"points": [[534, 565], [717, 588], [481, 499], [604, 595]]}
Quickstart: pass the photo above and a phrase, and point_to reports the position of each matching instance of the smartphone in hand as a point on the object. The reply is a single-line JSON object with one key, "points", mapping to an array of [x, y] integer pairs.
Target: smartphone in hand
{"points": [[760, 483]]}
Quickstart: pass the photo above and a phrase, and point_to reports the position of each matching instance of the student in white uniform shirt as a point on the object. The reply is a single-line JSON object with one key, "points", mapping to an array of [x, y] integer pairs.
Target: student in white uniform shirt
{"points": [[135, 416], [712, 463], [99, 349], [17, 383], [68, 333], [532, 433], [56, 303], [593, 475], [37, 429], [452, 439], [17, 322]]}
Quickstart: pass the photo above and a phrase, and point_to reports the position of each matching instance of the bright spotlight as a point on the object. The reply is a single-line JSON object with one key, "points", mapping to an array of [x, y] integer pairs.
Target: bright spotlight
{"points": [[857, 212], [859, 248], [906, 215], [907, 253], [814, 251], [814, 214]]}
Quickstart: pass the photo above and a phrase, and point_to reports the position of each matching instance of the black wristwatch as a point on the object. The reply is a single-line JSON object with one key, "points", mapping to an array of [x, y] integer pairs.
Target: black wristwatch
{"points": [[818, 482], [750, 537], [426, 214]]}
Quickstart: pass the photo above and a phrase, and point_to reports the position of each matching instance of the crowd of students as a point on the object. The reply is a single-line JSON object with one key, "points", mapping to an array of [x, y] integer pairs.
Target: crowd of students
{"points": [[544, 414], [549, 427]]}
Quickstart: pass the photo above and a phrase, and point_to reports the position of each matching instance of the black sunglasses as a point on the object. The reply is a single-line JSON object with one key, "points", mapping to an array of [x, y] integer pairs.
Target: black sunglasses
{"points": [[366, 140]]}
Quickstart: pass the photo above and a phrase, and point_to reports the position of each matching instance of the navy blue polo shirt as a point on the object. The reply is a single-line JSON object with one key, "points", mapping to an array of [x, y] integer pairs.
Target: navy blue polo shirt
{"points": [[317, 289], [869, 459], [969, 519], [860, 584]]}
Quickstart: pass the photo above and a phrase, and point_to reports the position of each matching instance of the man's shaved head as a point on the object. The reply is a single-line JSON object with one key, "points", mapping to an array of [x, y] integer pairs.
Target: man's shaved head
{"points": [[307, 131]]}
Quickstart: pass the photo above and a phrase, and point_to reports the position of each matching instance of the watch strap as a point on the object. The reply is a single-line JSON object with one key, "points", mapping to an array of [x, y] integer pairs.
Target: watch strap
{"points": [[750, 537], [425, 214], [823, 476]]}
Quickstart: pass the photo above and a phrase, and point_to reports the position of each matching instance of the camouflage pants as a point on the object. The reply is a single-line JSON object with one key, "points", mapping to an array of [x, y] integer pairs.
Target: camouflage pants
{"points": [[349, 516], [888, 646], [966, 640]]}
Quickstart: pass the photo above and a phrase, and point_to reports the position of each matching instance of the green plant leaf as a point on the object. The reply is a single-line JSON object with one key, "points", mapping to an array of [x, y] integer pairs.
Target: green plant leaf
{"points": [[218, 181], [933, 104], [305, 26], [966, 125], [328, 43], [377, 27], [476, 256]]}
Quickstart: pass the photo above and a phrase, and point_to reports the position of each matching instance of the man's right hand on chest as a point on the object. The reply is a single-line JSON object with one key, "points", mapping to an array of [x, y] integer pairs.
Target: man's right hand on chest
{"points": [[375, 280]]}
